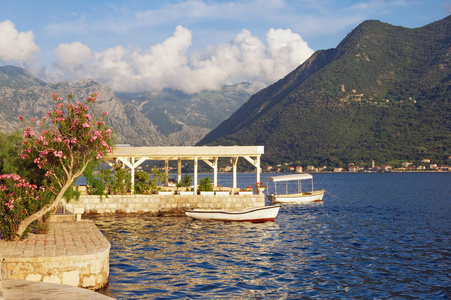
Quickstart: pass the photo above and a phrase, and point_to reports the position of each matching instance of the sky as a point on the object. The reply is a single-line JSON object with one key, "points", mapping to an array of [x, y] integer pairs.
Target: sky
{"points": [[190, 45]]}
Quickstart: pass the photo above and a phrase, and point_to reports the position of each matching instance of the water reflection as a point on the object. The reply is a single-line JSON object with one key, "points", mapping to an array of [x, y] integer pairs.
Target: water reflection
{"points": [[171, 255]]}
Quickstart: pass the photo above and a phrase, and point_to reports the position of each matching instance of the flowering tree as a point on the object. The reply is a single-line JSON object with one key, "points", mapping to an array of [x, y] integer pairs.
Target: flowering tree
{"points": [[61, 144]]}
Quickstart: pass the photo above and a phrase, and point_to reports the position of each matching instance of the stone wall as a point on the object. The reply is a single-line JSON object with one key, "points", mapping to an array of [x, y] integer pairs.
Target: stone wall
{"points": [[73, 253], [163, 204], [86, 271]]}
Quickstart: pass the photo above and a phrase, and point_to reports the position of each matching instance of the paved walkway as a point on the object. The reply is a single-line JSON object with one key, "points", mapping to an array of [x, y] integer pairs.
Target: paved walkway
{"points": [[64, 239], [37, 290]]}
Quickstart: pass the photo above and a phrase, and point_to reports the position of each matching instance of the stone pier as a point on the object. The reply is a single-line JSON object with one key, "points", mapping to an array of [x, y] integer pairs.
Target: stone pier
{"points": [[165, 205], [72, 253]]}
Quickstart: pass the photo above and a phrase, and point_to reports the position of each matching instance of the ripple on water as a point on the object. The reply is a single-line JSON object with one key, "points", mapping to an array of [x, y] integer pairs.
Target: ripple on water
{"points": [[366, 245]]}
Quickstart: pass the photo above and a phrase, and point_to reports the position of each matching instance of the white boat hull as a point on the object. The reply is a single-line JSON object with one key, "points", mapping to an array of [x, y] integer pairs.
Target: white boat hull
{"points": [[252, 214], [315, 196]]}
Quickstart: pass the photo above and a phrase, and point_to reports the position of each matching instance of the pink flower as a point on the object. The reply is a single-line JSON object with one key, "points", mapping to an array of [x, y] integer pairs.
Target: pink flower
{"points": [[85, 125], [99, 155], [20, 117], [58, 153], [105, 113], [73, 140]]}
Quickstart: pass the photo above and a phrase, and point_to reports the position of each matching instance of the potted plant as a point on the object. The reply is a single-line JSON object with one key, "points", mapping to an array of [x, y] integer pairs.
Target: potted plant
{"points": [[206, 186], [221, 192], [185, 184], [260, 186], [246, 191]]}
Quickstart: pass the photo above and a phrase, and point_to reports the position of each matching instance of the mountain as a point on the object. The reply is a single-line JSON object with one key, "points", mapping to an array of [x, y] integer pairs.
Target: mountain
{"points": [[185, 117], [140, 119], [18, 78], [382, 94]]}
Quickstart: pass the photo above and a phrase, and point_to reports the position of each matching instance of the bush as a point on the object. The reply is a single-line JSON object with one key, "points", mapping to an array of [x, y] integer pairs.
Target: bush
{"points": [[205, 184]]}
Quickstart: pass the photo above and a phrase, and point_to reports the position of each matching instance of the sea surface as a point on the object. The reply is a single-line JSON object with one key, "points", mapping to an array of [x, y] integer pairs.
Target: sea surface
{"points": [[375, 236]]}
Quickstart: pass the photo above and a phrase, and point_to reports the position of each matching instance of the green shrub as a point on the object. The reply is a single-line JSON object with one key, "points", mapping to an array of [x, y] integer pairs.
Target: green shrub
{"points": [[205, 184]]}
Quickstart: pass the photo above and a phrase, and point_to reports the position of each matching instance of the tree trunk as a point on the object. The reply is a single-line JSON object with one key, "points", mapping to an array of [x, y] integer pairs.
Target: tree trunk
{"points": [[49, 207]]}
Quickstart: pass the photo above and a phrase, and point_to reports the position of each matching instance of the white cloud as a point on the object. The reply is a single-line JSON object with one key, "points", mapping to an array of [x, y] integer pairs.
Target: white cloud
{"points": [[72, 57], [166, 64], [16, 46]]}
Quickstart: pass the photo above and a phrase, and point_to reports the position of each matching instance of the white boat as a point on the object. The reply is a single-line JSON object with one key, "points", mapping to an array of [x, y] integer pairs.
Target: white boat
{"points": [[250, 214], [300, 196]]}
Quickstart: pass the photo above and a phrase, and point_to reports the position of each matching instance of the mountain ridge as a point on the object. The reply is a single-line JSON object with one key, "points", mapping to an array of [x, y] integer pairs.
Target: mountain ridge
{"points": [[167, 118], [344, 103]]}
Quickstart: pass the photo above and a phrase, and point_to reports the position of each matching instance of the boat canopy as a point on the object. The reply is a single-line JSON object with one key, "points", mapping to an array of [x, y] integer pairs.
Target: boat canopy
{"points": [[300, 176]]}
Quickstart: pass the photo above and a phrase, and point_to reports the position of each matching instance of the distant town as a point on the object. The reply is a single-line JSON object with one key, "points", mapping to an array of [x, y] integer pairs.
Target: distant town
{"points": [[426, 165]]}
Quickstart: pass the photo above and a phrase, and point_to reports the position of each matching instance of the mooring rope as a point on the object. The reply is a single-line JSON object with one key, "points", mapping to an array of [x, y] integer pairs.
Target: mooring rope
{"points": [[335, 196]]}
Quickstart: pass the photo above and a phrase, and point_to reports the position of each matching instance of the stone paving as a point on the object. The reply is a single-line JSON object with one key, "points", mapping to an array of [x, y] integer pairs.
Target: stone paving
{"points": [[37, 290], [63, 240]]}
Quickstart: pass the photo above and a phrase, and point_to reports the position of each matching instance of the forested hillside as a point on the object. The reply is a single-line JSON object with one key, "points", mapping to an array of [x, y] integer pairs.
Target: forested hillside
{"points": [[382, 94]]}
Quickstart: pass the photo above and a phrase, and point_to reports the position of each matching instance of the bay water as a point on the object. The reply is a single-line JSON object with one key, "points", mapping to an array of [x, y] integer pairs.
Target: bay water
{"points": [[374, 236]]}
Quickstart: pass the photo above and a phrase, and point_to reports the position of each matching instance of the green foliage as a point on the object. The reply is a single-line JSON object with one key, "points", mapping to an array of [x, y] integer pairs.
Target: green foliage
{"points": [[205, 184], [96, 184], [157, 178], [186, 180], [121, 183], [142, 183], [71, 193]]}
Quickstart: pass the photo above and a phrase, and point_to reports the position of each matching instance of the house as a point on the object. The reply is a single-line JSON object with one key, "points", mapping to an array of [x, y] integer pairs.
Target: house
{"points": [[421, 168], [225, 169], [426, 161], [376, 169], [338, 170], [353, 169], [406, 164], [298, 169], [386, 168], [433, 166], [290, 169]]}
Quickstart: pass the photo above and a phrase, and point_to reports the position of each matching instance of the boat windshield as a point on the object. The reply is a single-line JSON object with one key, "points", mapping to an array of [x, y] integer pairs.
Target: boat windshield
{"points": [[291, 177]]}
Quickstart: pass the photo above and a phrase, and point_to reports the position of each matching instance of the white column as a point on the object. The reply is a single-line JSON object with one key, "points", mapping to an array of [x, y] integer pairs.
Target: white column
{"points": [[179, 170], [215, 171], [258, 169], [166, 171], [195, 175], [234, 162], [132, 170]]}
